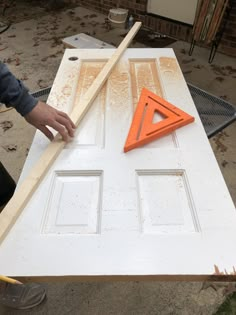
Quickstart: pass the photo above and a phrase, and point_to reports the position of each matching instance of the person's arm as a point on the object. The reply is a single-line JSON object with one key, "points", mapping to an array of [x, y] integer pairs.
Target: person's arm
{"points": [[39, 114], [13, 93]]}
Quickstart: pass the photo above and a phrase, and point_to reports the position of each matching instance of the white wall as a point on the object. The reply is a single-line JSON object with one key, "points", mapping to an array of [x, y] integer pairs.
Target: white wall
{"points": [[179, 10]]}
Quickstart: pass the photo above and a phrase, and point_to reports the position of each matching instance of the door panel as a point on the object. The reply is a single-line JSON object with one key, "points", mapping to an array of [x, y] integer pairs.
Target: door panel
{"points": [[69, 212], [165, 202], [91, 129], [144, 73], [160, 209]]}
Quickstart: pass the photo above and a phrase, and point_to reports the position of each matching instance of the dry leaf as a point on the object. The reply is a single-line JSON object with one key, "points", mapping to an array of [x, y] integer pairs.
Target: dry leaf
{"points": [[10, 147], [17, 61], [6, 125]]}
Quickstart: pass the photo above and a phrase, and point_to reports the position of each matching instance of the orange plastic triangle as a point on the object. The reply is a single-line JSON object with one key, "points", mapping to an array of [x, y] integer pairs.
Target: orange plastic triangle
{"points": [[143, 130]]}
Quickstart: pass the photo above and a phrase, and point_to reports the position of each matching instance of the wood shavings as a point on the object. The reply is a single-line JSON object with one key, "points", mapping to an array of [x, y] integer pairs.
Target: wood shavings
{"points": [[225, 272]]}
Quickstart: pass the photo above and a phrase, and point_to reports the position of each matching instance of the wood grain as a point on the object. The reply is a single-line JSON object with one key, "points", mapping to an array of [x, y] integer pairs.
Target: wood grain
{"points": [[200, 20], [216, 25], [216, 18], [169, 278]]}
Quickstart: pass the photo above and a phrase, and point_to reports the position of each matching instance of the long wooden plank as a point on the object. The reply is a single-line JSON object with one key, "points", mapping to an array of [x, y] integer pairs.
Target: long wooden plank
{"points": [[23, 193], [215, 19], [198, 10], [200, 21], [215, 27], [219, 277], [208, 19]]}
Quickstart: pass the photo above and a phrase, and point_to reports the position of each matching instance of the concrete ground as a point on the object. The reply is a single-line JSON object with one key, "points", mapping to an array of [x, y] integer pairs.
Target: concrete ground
{"points": [[32, 48]]}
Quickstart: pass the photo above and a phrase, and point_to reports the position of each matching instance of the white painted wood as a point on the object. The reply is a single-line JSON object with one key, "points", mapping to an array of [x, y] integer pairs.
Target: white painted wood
{"points": [[181, 10], [162, 209], [21, 197], [82, 40]]}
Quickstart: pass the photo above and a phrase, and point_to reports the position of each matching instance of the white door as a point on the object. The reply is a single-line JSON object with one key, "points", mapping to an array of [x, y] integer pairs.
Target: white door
{"points": [[161, 209]]}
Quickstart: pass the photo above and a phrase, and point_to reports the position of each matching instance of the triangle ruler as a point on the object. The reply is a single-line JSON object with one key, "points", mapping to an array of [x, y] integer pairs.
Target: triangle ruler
{"points": [[143, 130]]}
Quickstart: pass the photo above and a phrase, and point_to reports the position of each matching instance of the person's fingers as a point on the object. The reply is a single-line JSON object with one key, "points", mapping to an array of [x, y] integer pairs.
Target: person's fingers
{"points": [[67, 117], [46, 131], [61, 129], [66, 123], [43, 115]]}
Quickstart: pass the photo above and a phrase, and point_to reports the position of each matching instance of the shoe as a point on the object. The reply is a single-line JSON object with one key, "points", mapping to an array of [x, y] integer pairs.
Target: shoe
{"points": [[21, 296]]}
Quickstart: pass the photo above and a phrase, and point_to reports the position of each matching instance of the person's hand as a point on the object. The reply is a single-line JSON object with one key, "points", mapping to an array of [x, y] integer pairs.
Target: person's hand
{"points": [[43, 115]]}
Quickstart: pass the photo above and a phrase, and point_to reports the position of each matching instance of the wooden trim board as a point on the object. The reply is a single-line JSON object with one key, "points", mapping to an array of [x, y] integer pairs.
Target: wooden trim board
{"points": [[24, 192], [86, 278]]}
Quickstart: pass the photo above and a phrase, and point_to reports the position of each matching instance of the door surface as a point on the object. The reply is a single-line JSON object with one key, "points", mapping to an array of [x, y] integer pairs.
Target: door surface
{"points": [[161, 209]]}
